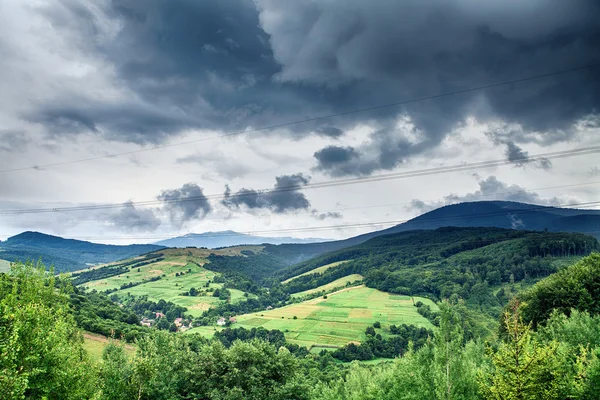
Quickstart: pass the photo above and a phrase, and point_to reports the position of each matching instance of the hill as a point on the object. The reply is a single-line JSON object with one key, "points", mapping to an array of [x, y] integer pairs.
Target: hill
{"points": [[499, 214], [481, 265], [170, 274], [214, 240], [66, 254], [494, 214]]}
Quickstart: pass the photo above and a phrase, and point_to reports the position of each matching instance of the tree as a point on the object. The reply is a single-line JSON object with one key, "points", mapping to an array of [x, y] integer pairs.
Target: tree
{"points": [[523, 369], [193, 291], [41, 353], [370, 331], [377, 325], [454, 376]]}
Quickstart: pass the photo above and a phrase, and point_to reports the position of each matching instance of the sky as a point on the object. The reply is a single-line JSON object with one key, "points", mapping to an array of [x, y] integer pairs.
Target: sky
{"points": [[194, 116]]}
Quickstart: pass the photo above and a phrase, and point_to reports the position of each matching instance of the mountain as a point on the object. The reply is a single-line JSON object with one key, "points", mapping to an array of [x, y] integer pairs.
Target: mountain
{"points": [[493, 214], [69, 254], [214, 240], [66, 254], [499, 214]]}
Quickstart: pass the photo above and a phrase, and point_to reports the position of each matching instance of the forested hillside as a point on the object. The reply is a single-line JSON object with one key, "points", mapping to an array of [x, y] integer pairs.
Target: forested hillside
{"points": [[480, 265], [66, 254]]}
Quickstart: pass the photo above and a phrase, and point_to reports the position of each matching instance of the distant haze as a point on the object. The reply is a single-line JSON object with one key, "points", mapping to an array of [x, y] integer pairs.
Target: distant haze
{"points": [[213, 240]]}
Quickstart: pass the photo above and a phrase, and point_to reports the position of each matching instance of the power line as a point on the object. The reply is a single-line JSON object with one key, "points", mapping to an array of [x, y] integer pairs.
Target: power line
{"points": [[285, 124], [332, 183], [358, 225], [481, 195]]}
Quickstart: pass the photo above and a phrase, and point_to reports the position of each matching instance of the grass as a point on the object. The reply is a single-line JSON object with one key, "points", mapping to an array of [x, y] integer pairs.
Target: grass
{"points": [[4, 266], [331, 285], [340, 319], [170, 287], [318, 270], [94, 344]]}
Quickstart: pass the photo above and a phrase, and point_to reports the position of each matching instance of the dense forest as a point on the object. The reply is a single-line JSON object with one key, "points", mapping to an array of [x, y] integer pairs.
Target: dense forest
{"points": [[549, 348]]}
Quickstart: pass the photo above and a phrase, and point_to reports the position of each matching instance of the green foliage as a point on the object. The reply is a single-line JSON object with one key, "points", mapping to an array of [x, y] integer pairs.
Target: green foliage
{"points": [[41, 354], [523, 368], [575, 287]]}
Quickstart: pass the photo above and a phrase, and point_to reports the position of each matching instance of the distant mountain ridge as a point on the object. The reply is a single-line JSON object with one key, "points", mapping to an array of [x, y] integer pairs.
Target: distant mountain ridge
{"points": [[66, 254], [70, 254], [214, 240], [493, 214]]}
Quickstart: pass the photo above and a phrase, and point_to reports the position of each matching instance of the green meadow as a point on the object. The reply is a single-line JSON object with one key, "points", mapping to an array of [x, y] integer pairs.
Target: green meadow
{"points": [[170, 286], [341, 318], [338, 283], [318, 270]]}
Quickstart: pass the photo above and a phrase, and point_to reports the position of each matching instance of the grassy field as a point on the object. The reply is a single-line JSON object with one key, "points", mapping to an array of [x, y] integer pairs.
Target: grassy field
{"points": [[4, 266], [337, 320], [170, 286], [94, 344], [331, 285], [318, 270]]}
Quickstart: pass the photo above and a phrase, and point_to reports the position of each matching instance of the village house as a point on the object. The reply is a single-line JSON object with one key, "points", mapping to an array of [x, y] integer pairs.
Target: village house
{"points": [[159, 315], [221, 322], [232, 320], [147, 322]]}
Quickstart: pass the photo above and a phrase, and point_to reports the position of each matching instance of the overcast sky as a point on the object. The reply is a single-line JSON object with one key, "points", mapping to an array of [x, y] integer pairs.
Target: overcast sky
{"points": [[88, 79]]}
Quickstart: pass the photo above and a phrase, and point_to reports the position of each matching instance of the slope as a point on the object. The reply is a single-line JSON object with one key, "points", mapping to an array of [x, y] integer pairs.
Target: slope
{"points": [[172, 275], [480, 265], [66, 254]]}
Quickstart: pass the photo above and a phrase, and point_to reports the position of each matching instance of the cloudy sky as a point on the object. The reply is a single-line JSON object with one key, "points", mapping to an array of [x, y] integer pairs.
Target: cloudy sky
{"points": [[160, 108]]}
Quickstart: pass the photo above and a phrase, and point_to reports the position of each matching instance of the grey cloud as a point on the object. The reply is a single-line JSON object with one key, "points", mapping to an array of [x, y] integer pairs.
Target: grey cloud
{"points": [[11, 140], [387, 148], [231, 65], [489, 189], [326, 215], [521, 158], [284, 197], [130, 218], [330, 131], [185, 204], [387, 51]]}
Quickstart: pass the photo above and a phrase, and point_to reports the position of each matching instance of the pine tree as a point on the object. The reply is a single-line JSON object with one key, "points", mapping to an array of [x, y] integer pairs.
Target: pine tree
{"points": [[523, 369]]}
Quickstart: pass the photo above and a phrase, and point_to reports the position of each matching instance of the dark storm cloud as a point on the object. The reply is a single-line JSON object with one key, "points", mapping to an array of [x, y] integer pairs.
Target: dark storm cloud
{"points": [[387, 51], [284, 197], [185, 204], [489, 189], [521, 158], [234, 64], [513, 152], [388, 147], [131, 218]]}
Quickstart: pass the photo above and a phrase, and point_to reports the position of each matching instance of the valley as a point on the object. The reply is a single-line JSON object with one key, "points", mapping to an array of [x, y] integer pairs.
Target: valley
{"points": [[391, 299], [330, 300]]}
